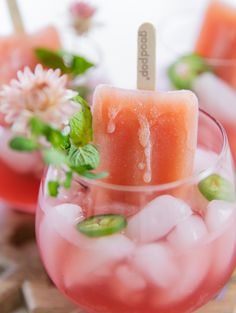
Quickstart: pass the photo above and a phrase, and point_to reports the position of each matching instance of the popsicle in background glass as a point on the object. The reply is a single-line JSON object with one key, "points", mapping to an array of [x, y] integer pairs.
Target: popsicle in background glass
{"points": [[203, 59], [17, 51], [19, 184], [217, 38]]}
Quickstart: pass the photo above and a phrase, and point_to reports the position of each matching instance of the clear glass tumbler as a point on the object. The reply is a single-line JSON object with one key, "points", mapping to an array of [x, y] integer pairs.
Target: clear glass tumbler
{"points": [[137, 249]]}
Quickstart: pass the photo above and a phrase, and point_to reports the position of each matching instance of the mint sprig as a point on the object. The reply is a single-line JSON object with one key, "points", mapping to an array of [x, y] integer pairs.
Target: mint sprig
{"points": [[86, 157], [56, 138], [67, 62], [81, 131], [23, 144], [74, 152]]}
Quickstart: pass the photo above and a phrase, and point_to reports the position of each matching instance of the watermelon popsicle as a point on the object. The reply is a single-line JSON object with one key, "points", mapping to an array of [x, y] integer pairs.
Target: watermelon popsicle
{"points": [[17, 51], [217, 40], [145, 137]]}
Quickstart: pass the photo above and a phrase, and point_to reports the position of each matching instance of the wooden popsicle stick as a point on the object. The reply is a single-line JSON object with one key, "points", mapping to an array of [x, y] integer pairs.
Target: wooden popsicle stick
{"points": [[16, 17], [146, 63]]}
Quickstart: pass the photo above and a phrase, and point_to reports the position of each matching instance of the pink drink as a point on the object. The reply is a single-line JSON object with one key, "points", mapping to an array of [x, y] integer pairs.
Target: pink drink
{"points": [[176, 252], [219, 99], [216, 91], [20, 175]]}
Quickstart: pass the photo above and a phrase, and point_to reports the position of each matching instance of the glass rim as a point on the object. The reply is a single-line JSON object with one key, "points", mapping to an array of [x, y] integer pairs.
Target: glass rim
{"points": [[162, 187], [188, 13]]}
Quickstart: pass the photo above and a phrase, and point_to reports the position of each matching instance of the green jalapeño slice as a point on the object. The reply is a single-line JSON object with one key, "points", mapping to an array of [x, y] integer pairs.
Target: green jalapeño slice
{"points": [[186, 69], [102, 225], [215, 187]]}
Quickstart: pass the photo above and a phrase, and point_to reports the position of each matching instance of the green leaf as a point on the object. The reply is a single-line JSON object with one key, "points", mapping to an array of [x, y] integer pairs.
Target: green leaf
{"points": [[58, 140], [53, 187], [80, 65], [54, 157], [81, 132], [216, 187], [23, 144], [51, 59], [91, 175], [68, 63], [38, 127], [54, 136], [68, 180], [186, 69], [83, 91], [86, 157]]}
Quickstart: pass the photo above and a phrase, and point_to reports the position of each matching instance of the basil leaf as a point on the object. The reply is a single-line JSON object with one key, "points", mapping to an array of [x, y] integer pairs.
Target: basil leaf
{"points": [[53, 187], [83, 91], [54, 136], [54, 157], [23, 144], [57, 139], [68, 63], [81, 131], [51, 59], [80, 65], [38, 127], [86, 157]]}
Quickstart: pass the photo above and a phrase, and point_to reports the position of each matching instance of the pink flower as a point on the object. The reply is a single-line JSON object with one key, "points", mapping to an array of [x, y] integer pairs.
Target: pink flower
{"points": [[81, 9], [40, 93]]}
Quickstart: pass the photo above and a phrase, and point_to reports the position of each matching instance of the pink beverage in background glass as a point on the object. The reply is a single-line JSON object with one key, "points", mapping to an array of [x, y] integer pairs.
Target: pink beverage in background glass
{"points": [[20, 172], [17, 51], [165, 248], [20, 175], [217, 41], [40, 94], [212, 36]]}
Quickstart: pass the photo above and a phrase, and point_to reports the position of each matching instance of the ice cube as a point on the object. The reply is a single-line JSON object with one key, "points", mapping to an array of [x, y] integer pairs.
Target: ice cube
{"points": [[193, 266], [188, 232], [130, 278], [221, 103], [218, 214], [203, 160], [196, 200], [53, 249], [156, 263], [224, 251], [128, 284], [157, 219], [63, 218], [100, 253], [21, 162], [221, 221]]}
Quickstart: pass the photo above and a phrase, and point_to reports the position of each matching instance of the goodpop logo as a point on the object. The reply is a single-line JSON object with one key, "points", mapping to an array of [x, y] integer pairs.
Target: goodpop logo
{"points": [[144, 56]]}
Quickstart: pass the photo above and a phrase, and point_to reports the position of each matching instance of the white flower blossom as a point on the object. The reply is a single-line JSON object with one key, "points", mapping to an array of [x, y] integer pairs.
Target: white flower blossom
{"points": [[41, 93]]}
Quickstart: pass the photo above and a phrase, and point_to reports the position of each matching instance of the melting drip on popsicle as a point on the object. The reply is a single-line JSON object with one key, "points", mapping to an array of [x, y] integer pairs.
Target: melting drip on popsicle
{"points": [[145, 137]]}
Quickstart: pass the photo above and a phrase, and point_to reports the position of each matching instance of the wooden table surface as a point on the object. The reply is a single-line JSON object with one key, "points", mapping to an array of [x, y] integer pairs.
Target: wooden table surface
{"points": [[24, 285]]}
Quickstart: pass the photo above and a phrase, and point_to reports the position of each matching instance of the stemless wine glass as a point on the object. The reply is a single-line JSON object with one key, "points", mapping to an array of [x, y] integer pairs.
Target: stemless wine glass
{"points": [[20, 175], [137, 249], [217, 90]]}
